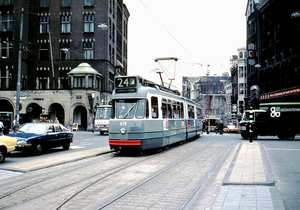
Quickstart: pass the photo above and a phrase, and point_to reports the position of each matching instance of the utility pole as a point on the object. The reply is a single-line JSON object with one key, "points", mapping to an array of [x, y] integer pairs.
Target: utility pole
{"points": [[19, 73]]}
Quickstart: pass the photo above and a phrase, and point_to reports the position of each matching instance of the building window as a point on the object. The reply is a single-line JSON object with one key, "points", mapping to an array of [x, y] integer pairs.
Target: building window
{"points": [[88, 50], [63, 77], [79, 82], [65, 3], [5, 77], [43, 83], [65, 54], [6, 49], [6, 2], [43, 78], [241, 88], [6, 22], [88, 2], [90, 82], [241, 71], [66, 24], [241, 55], [65, 50], [44, 24], [44, 52], [44, 3], [89, 23]]}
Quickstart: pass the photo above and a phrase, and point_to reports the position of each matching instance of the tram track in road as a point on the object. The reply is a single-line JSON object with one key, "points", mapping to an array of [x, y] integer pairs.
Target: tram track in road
{"points": [[39, 180], [57, 192], [189, 200], [48, 178], [194, 195], [152, 177]]}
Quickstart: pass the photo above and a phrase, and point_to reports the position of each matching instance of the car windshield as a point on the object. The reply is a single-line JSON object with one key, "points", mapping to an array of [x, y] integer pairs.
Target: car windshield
{"points": [[246, 116], [34, 128]]}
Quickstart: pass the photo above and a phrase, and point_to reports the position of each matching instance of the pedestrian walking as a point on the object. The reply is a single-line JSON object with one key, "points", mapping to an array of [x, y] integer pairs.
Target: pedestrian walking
{"points": [[219, 127], [1, 127], [6, 126], [206, 126]]}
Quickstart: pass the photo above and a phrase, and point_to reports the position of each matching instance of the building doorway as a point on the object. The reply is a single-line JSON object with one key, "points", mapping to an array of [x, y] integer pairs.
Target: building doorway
{"points": [[80, 117], [56, 110]]}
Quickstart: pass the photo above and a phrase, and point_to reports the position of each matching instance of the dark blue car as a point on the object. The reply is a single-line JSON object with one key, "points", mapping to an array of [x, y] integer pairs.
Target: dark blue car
{"points": [[40, 136]]}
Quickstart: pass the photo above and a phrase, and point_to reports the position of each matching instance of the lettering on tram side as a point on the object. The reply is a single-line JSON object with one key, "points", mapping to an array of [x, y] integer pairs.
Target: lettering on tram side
{"points": [[166, 125], [182, 124], [122, 123]]}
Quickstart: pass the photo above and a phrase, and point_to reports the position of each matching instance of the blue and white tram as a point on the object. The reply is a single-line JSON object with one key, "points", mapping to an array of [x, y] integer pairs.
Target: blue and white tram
{"points": [[146, 115]]}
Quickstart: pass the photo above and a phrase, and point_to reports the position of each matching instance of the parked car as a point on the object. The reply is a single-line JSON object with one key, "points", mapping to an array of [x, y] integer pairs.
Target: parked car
{"points": [[231, 129], [7, 145], [40, 136]]}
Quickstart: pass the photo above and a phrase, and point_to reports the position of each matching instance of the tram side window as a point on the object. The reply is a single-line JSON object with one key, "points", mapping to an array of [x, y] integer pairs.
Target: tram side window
{"points": [[174, 109], [142, 109], [154, 107], [198, 113], [164, 110], [169, 111], [191, 112], [181, 110]]}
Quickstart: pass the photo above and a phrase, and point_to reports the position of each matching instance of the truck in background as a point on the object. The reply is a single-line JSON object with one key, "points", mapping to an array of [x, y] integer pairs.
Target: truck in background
{"points": [[279, 119], [102, 116]]}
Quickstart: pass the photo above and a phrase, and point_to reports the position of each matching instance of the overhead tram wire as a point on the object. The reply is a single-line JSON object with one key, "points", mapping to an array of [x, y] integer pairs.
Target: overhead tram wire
{"points": [[166, 28]]}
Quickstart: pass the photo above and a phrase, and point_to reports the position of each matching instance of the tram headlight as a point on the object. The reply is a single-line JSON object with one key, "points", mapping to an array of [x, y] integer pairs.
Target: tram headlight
{"points": [[123, 131]]}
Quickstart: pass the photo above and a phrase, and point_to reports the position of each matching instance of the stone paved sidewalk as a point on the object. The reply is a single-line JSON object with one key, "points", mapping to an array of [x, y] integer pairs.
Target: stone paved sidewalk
{"points": [[249, 183]]}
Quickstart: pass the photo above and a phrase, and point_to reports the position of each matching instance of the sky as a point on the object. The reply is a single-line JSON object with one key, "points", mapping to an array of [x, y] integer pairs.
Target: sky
{"points": [[197, 32]]}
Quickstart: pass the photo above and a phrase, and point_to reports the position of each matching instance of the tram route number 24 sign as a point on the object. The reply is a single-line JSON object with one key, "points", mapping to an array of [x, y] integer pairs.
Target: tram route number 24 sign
{"points": [[123, 82]]}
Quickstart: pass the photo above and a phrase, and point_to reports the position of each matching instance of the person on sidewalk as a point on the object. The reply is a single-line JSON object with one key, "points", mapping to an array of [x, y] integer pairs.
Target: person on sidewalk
{"points": [[206, 126], [1, 127], [6, 126]]}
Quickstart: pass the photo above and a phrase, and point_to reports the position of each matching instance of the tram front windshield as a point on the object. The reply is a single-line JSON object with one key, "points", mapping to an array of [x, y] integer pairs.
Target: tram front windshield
{"points": [[129, 108]]}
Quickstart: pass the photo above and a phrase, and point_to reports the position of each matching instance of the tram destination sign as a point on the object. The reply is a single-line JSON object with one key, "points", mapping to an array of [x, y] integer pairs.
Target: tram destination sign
{"points": [[125, 82]]}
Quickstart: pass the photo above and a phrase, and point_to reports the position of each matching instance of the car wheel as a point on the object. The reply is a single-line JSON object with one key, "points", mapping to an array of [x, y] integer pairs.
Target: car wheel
{"points": [[66, 146], [2, 156], [290, 137], [281, 137], [38, 149], [245, 135], [254, 135]]}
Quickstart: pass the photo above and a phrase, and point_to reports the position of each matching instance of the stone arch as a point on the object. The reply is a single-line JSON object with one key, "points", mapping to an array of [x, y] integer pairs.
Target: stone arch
{"points": [[6, 111], [33, 112], [80, 116], [56, 110]]}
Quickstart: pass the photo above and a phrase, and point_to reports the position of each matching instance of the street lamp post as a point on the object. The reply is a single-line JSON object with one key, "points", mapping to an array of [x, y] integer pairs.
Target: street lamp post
{"points": [[19, 74]]}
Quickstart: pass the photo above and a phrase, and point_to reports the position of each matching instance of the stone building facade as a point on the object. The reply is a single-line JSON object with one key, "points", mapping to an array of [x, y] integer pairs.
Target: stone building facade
{"points": [[57, 38]]}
